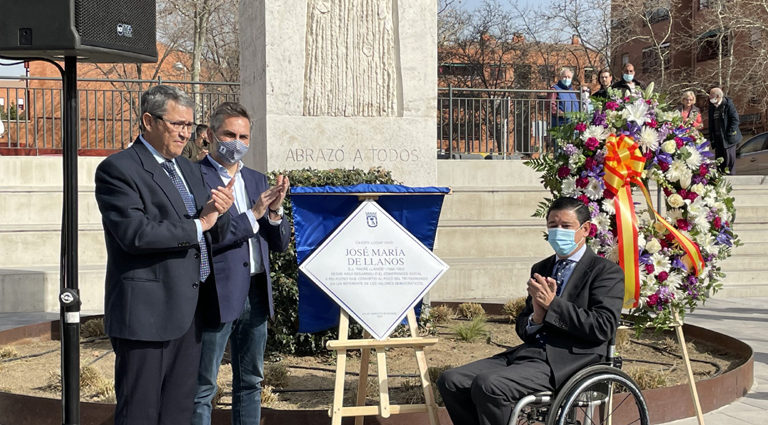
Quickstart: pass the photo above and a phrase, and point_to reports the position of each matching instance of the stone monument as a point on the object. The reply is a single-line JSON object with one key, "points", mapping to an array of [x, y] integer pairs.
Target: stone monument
{"points": [[341, 84]]}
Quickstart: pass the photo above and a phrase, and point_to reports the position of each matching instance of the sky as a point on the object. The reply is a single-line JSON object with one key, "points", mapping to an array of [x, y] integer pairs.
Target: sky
{"points": [[11, 71]]}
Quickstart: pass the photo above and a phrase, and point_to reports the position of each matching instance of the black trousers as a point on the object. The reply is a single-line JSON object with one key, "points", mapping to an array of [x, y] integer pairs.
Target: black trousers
{"points": [[729, 157], [155, 381], [485, 392]]}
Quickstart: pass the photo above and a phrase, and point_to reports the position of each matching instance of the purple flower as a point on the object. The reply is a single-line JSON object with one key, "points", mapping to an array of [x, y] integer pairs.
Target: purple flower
{"points": [[598, 118], [594, 209], [569, 149], [678, 263], [723, 238], [646, 259]]}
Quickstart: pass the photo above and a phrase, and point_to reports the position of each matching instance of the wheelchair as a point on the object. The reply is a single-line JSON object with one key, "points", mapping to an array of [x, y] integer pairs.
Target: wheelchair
{"points": [[598, 394]]}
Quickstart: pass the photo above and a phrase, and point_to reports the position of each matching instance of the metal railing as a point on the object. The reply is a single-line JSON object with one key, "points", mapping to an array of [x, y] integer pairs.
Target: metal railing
{"points": [[503, 123], [31, 112]]}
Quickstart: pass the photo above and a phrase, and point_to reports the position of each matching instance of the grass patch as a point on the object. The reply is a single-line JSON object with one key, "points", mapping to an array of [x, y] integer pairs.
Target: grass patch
{"points": [[470, 310], [268, 398], [8, 353], [648, 379], [473, 330]]}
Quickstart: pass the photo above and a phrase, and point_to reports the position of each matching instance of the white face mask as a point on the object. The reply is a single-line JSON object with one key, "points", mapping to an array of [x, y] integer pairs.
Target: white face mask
{"points": [[714, 101]]}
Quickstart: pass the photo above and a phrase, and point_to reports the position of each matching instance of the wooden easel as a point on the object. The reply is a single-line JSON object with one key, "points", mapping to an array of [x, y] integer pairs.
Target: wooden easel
{"points": [[687, 360], [384, 409]]}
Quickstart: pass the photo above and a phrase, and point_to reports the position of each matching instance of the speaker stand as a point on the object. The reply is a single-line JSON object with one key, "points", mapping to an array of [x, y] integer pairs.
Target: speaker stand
{"points": [[69, 297]]}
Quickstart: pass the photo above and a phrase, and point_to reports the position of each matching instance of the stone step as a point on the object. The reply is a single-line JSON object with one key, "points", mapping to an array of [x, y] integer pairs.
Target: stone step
{"points": [[482, 203], [506, 277], [25, 245], [33, 171], [43, 205], [37, 288]]}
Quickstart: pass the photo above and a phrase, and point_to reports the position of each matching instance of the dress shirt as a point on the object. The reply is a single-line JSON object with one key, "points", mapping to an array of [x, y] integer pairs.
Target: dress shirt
{"points": [[576, 257], [160, 159], [241, 203]]}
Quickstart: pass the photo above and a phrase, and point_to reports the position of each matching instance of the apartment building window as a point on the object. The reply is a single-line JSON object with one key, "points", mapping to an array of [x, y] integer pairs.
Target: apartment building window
{"points": [[498, 72], [547, 73], [624, 59], [522, 76], [710, 44], [704, 4], [589, 75], [657, 11], [652, 58], [459, 69]]}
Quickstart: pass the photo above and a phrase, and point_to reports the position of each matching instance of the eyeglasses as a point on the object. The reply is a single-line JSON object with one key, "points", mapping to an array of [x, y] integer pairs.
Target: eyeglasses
{"points": [[177, 125]]}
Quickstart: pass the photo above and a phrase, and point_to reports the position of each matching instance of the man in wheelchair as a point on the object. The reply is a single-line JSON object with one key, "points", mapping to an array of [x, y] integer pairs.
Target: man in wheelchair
{"points": [[570, 317]]}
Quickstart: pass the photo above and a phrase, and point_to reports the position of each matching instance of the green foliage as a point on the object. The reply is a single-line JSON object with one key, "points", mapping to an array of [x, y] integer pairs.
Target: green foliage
{"points": [[283, 335], [12, 114], [473, 330]]}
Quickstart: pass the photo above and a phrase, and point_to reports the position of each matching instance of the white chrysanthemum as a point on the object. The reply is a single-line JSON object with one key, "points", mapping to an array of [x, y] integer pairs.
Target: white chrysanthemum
{"points": [[660, 263], [568, 187], [613, 253], [640, 239], [676, 170], [597, 131], [674, 280], [649, 138], [602, 222], [701, 223], [697, 207], [593, 190], [675, 201], [608, 206], [685, 178], [694, 160], [637, 112], [653, 246], [698, 188]]}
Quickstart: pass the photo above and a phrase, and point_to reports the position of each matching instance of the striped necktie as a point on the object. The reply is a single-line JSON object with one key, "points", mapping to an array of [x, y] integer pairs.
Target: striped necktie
{"points": [[562, 270]]}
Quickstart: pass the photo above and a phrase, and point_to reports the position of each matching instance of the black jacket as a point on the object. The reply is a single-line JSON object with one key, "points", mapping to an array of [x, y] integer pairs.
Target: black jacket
{"points": [[624, 87], [729, 133]]}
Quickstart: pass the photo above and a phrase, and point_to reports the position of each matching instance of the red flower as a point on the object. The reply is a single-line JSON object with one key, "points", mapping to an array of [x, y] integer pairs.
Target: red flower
{"points": [[691, 195], [652, 123], [683, 224], [703, 169], [592, 230], [583, 198], [667, 191], [679, 142], [563, 172], [607, 194], [653, 299], [648, 155], [718, 222], [592, 143], [611, 105], [582, 182], [581, 127], [662, 276], [649, 268], [664, 165]]}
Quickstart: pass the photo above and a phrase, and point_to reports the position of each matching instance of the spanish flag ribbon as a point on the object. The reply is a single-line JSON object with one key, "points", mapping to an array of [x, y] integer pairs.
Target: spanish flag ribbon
{"points": [[624, 165]]}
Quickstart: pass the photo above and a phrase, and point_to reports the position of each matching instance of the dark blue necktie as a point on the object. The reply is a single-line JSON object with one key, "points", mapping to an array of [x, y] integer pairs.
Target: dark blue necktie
{"points": [[189, 202], [562, 270]]}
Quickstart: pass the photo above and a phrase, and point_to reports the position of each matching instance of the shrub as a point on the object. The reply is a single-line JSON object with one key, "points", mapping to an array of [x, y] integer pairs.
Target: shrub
{"points": [[473, 330], [647, 379], [283, 335], [440, 314], [434, 372], [8, 353], [276, 375], [93, 328], [513, 308], [268, 397], [470, 310]]}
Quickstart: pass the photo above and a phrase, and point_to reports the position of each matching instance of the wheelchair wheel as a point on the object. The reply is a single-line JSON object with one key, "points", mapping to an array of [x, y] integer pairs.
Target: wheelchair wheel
{"points": [[599, 395]]}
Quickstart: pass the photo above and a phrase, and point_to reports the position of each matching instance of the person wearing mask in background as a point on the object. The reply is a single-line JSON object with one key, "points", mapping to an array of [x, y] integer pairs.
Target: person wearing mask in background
{"points": [[570, 316], [561, 100], [628, 84], [723, 128], [605, 79], [243, 287], [197, 147], [586, 100], [690, 112]]}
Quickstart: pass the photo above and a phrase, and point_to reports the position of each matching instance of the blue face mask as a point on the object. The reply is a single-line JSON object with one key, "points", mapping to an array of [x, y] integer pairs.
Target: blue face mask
{"points": [[628, 77], [566, 82], [231, 151], [562, 240]]}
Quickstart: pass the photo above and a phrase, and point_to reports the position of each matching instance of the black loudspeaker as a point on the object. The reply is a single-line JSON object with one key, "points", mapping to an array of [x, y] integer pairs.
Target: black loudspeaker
{"points": [[91, 30]]}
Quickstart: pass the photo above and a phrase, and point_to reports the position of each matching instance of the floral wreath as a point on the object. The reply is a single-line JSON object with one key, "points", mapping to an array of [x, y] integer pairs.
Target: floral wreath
{"points": [[670, 258]]}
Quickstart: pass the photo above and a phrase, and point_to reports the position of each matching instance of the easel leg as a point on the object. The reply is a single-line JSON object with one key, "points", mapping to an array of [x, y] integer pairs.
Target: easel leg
{"points": [[341, 369], [429, 397], [362, 384], [381, 366], [688, 369]]}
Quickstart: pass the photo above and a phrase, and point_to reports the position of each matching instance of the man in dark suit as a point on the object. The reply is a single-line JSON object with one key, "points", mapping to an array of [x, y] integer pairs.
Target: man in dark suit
{"points": [[158, 217], [241, 264], [567, 324], [723, 128]]}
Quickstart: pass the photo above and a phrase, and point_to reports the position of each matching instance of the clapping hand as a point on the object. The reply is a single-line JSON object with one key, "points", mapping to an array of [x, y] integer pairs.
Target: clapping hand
{"points": [[542, 291]]}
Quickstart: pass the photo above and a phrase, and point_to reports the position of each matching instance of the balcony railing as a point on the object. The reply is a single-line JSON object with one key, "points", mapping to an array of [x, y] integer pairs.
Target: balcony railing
{"points": [[31, 112]]}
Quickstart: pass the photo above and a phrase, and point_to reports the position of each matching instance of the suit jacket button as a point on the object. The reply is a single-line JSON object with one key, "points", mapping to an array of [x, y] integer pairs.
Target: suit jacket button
{"points": [[195, 285], [197, 256], [245, 264]]}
